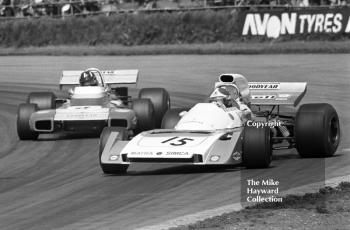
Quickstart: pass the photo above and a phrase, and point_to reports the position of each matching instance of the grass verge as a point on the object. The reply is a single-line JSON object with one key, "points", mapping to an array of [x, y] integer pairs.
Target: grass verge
{"points": [[327, 209], [272, 47]]}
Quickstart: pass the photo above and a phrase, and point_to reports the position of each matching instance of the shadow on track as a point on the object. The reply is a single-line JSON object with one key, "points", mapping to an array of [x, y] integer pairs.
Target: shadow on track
{"points": [[182, 169], [67, 136]]}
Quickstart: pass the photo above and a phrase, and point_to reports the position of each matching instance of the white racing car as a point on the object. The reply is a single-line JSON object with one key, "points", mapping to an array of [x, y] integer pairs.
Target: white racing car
{"points": [[225, 131], [97, 99]]}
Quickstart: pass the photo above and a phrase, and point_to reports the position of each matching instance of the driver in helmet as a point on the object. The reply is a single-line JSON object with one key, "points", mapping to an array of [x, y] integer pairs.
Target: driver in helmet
{"points": [[225, 96], [88, 78], [233, 96], [228, 97]]}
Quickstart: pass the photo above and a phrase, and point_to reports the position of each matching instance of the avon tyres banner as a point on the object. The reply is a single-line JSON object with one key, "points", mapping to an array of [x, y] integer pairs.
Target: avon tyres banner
{"points": [[279, 22]]}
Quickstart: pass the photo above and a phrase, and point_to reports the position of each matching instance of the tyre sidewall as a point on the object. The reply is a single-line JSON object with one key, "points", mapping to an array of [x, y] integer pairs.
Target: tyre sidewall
{"points": [[144, 112], [24, 113], [313, 130], [172, 117], [160, 99], [257, 147], [44, 100]]}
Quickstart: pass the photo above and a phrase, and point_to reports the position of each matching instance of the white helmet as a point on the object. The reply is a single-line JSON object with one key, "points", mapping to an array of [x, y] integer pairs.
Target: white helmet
{"points": [[219, 94], [226, 91]]}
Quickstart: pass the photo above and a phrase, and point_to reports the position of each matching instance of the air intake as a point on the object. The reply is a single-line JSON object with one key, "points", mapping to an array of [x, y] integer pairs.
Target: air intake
{"points": [[195, 159], [43, 125], [226, 78], [119, 123]]}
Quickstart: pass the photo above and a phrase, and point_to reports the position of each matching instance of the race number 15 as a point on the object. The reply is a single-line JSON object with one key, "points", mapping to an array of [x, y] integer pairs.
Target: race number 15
{"points": [[177, 141]]}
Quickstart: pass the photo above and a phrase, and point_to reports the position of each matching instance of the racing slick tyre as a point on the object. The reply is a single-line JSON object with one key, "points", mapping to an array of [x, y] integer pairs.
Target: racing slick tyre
{"points": [[317, 130], [23, 116], [44, 100], [144, 111], [160, 99], [172, 117], [112, 168], [257, 147]]}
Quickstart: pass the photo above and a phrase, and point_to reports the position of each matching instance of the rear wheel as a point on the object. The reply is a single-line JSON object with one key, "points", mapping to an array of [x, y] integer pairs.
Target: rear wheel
{"points": [[122, 135], [44, 100], [160, 99], [317, 130], [23, 118], [172, 117], [257, 148], [144, 111]]}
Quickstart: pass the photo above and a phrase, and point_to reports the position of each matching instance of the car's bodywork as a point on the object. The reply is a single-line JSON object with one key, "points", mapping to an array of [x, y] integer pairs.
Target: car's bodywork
{"points": [[88, 108], [209, 135]]}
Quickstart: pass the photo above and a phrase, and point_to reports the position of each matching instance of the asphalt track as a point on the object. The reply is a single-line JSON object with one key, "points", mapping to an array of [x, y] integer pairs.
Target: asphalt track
{"points": [[56, 183]]}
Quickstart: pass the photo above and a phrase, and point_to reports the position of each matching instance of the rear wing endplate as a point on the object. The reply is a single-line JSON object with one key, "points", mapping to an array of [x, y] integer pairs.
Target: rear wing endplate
{"points": [[277, 93]]}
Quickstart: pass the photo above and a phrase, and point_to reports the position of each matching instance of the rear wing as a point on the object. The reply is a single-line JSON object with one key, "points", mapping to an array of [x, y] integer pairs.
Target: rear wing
{"points": [[277, 93], [113, 78]]}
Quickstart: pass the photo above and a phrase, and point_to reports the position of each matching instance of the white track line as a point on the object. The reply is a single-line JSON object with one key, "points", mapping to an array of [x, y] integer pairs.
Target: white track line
{"points": [[192, 218]]}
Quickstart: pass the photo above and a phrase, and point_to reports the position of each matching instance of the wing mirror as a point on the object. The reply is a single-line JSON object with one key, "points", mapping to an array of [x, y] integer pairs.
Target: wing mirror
{"points": [[181, 114], [226, 137]]}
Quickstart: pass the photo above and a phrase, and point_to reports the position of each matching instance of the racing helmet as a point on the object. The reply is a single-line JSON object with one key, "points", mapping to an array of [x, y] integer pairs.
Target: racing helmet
{"points": [[232, 91], [219, 95], [226, 94], [88, 78]]}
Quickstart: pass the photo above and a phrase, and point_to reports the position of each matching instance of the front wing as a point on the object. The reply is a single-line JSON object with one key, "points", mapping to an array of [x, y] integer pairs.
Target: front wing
{"points": [[81, 120]]}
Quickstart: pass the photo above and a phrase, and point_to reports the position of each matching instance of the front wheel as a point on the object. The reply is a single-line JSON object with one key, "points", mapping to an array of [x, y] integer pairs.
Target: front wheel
{"points": [[317, 130], [172, 117], [160, 99], [144, 112], [44, 100], [122, 135], [23, 118], [257, 147]]}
